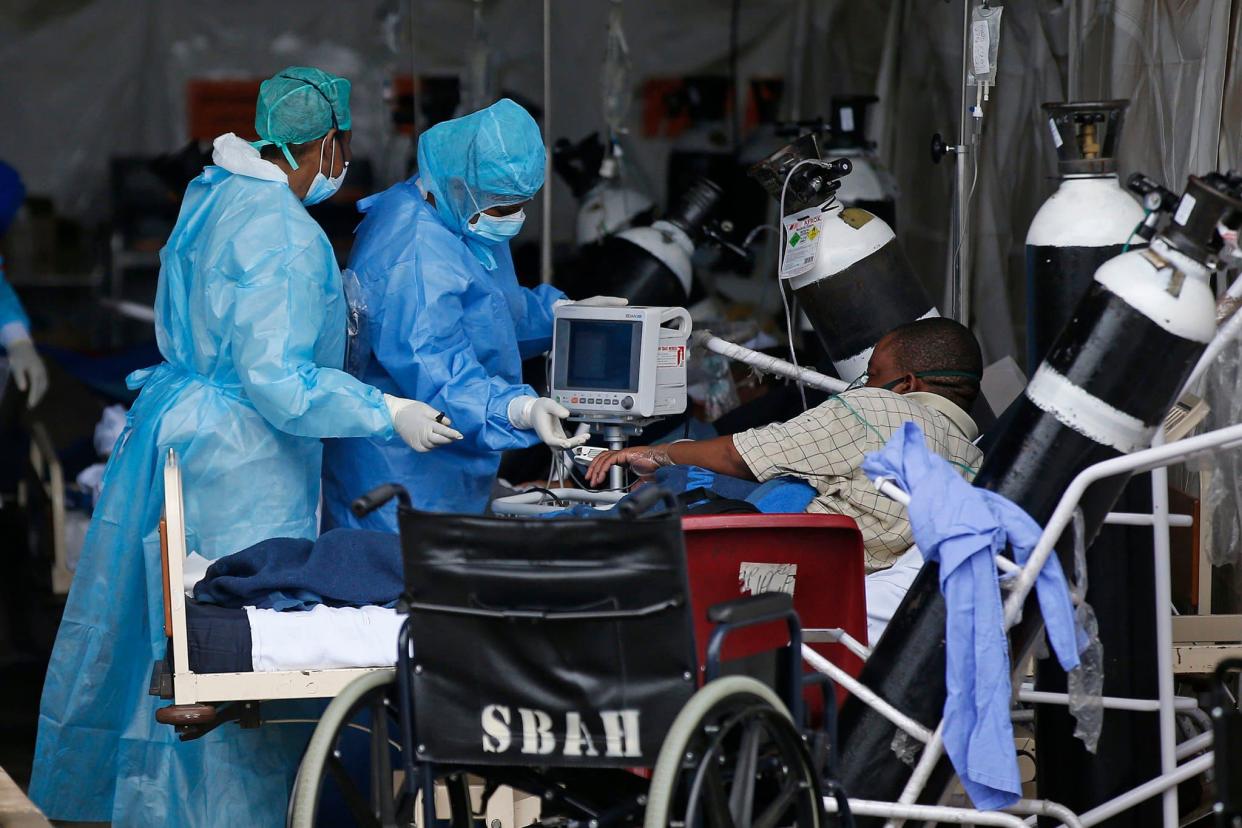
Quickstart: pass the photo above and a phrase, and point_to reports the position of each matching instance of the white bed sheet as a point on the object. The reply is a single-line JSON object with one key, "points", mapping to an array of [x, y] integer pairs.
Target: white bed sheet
{"points": [[323, 638]]}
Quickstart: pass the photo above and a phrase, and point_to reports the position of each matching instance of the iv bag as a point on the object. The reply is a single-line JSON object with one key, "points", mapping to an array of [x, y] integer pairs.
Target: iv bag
{"points": [[615, 82], [985, 20]]}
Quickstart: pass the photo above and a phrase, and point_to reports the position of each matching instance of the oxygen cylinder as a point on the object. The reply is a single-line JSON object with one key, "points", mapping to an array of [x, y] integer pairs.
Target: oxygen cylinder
{"points": [[606, 205], [648, 265], [1105, 386], [869, 185], [1086, 222], [847, 271]]}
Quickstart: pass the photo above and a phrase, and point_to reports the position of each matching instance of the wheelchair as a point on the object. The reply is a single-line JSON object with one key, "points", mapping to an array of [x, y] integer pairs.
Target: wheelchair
{"points": [[558, 658]]}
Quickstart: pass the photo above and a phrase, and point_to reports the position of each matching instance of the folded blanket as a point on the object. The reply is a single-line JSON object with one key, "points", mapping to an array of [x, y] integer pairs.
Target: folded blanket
{"points": [[343, 568]]}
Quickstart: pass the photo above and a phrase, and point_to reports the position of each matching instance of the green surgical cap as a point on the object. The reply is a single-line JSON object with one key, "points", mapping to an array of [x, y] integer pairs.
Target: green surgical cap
{"points": [[300, 104]]}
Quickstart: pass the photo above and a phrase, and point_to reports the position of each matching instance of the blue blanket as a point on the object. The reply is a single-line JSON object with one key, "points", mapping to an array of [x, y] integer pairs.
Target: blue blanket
{"points": [[782, 495], [343, 568]]}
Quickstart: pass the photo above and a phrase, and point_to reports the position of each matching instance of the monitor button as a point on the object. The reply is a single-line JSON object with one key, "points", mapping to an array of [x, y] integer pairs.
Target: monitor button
{"points": [[627, 403]]}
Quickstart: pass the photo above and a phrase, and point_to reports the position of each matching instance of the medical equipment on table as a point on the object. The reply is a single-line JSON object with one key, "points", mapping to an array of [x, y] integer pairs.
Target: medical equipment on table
{"points": [[618, 369], [619, 365], [584, 455]]}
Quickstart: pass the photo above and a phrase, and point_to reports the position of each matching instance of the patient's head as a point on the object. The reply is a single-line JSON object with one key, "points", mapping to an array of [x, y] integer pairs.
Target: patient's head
{"points": [[936, 355]]}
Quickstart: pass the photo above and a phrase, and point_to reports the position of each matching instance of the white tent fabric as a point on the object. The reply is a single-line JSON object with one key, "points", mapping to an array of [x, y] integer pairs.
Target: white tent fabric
{"points": [[94, 78]]}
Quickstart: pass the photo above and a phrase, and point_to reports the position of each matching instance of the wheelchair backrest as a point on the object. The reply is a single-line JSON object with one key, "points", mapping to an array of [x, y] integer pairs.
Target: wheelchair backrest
{"points": [[551, 643]]}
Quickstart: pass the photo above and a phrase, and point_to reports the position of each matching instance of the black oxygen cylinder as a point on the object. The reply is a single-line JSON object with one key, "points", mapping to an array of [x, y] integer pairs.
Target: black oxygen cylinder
{"points": [[848, 272], [647, 265], [1086, 222], [1107, 383]]}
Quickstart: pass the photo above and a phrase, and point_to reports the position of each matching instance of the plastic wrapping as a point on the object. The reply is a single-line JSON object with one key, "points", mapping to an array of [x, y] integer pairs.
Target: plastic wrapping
{"points": [[985, 21], [615, 77], [357, 324], [721, 395], [1222, 388], [1086, 682], [906, 747], [478, 88], [108, 429]]}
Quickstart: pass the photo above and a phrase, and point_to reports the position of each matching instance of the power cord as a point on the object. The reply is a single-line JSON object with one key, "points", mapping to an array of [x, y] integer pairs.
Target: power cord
{"points": [[780, 266]]}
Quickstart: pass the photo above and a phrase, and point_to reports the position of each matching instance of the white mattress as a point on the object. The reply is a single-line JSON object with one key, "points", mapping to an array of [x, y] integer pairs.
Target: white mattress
{"points": [[323, 638]]}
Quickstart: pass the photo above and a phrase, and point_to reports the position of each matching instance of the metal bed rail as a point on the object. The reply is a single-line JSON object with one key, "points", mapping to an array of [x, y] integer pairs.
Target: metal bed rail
{"points": [[1174, 768]]}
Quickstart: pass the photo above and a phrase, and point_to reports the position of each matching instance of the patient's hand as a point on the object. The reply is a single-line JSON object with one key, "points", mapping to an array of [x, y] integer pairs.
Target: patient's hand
{"points": [[642, 459]]}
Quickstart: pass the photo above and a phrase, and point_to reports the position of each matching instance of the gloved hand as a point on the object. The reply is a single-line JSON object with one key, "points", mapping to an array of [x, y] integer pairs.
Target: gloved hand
{"points": [[544, 415], [595, 302], [421, 426], [28, 370]]}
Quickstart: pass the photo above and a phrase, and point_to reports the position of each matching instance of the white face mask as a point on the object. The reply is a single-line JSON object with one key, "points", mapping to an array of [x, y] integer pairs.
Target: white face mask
{"points": [[323, 187]]}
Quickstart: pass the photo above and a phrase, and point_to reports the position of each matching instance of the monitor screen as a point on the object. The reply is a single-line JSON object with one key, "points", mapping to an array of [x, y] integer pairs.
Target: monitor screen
{"points": [[603, 355]]}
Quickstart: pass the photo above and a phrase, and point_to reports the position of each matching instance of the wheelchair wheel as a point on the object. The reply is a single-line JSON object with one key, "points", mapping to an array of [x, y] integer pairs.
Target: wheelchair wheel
{"points": [[733, 757], [377, 806]]}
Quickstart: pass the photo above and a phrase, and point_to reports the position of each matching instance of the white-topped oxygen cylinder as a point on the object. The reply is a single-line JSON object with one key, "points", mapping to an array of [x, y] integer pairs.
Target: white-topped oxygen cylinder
{"points": [[1086, 222], [848, 272]]}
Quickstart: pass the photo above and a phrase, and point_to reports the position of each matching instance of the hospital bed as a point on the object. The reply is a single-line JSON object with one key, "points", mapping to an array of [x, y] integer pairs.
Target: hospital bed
{"points": [[204, 700]]}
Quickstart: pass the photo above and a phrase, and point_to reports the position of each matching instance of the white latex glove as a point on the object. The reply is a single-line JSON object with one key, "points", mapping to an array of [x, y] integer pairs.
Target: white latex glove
{"points": [[28, 370], [595, 302], [544, 415], [421, 426]]}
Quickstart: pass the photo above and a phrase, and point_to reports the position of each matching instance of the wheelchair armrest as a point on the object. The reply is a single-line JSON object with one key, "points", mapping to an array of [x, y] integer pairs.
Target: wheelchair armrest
{"points": [[752, 609], [377, 497]]}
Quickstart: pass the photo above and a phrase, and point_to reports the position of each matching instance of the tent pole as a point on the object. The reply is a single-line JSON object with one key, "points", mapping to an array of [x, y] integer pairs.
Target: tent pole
{"points": [[545, 242]]}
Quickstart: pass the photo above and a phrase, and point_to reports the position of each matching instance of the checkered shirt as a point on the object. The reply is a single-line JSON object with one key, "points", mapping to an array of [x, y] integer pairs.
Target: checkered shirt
{"points": [[825, 446]]}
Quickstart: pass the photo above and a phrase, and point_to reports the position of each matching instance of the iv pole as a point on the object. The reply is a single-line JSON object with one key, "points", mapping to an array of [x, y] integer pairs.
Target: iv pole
{"points": [[545, 243], [960, 307]]}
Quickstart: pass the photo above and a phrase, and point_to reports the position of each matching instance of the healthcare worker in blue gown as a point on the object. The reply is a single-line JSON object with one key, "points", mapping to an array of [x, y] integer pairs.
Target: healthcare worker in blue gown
{"points": [[440, 317], [250, 320], [29, 373]]}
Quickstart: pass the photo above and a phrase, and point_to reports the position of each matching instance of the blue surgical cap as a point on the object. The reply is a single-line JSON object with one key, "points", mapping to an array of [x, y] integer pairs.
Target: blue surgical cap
{"points": [[300, 104], [485, 159]]}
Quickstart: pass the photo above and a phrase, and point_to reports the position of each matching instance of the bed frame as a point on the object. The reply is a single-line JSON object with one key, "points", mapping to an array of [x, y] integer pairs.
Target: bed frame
{"points": [[202, 701]]}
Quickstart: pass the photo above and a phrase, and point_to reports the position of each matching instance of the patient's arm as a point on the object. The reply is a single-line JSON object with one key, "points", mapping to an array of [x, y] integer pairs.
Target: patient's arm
{"points": [[717, 454]]}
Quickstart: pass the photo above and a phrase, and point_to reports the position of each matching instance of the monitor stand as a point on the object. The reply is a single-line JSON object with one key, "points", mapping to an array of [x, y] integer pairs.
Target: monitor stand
{"points": [[616, 433]]}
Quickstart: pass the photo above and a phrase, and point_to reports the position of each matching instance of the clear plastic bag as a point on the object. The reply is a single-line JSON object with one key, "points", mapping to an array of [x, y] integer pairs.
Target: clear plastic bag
{"points": [[721, 396], [905, 747], [1086, 681], [615, 78], [985, 21], [1222, 388]]}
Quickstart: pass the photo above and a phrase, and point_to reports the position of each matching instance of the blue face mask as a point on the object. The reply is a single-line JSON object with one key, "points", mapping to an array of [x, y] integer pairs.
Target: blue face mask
{"points": [[323, 187], [496, 229]]}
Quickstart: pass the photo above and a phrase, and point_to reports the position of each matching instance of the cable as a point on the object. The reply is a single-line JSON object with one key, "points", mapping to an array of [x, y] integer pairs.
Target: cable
{"points": [[780, 266], [793, 357], [1137, 227], [734, 18]]}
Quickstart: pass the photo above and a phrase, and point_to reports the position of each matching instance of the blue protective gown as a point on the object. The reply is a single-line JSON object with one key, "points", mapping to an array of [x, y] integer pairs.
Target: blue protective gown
{"points": [[250, 320], [11, 310], [441, 329]]}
